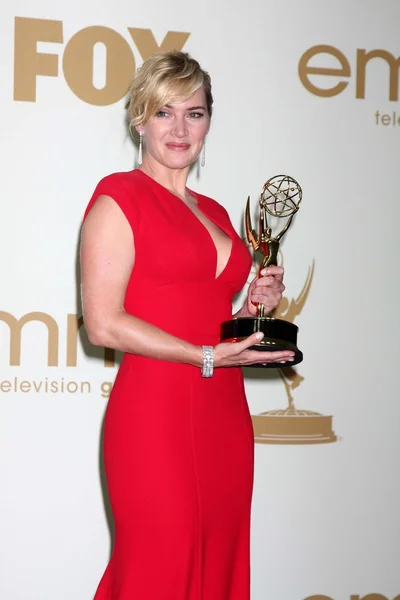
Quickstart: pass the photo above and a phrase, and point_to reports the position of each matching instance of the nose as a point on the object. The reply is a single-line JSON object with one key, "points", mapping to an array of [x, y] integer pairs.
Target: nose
{"points": [[179, 129]]}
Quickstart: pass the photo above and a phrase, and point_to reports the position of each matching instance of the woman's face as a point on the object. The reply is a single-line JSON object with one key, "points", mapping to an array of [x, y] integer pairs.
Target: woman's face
{"points": [[175, 135]]}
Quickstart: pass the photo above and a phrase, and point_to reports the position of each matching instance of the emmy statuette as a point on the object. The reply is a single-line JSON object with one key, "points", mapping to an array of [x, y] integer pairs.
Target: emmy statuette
{"points": [[280, 198]]}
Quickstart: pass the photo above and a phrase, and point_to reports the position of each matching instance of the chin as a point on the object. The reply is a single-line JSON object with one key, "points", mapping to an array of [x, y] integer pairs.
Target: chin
{"points": [[180, 160], [178, 163]]}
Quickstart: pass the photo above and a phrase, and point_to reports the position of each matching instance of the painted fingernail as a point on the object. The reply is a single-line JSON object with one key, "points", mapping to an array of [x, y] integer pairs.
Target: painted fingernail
{"points": [[259, 335]]}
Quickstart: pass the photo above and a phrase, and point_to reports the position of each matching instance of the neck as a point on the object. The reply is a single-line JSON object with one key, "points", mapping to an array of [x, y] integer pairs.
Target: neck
{"points": [[173, 179]]}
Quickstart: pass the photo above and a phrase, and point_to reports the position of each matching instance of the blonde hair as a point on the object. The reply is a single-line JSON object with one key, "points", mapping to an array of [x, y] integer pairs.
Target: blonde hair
{"points": [[165, 78]]}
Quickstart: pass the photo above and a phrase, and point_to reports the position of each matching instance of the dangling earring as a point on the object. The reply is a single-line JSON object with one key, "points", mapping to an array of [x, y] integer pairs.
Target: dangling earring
{"points": [[203, 155], [140, 154]]}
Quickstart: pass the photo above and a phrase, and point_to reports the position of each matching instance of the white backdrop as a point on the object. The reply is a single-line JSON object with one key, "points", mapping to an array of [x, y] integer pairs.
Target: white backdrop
{"points": [[326, 522]]}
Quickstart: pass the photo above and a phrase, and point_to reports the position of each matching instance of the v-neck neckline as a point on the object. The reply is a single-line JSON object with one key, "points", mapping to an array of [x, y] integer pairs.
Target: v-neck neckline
{"points": [[201, 224]]}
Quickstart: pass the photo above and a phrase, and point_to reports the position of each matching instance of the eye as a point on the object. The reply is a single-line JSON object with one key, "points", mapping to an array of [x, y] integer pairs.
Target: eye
{"points": [[196, 115], [162, 113]]}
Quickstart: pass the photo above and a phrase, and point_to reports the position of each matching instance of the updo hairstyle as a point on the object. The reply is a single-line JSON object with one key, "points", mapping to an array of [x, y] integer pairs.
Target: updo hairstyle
{"points": [[165, 78]]}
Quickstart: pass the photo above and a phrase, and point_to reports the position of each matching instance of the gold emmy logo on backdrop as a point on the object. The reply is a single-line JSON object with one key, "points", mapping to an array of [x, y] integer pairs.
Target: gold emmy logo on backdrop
{"points": [[343, 71], [291, 425], [72, 325], [336, 79], [78, 58]]}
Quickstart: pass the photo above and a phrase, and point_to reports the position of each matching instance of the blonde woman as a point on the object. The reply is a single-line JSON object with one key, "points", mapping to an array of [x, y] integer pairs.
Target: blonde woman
{"points": [[160, 265]]}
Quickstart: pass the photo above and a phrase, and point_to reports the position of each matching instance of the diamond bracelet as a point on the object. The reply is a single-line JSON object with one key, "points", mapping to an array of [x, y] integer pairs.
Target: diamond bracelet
{"points": [[208, 361]]}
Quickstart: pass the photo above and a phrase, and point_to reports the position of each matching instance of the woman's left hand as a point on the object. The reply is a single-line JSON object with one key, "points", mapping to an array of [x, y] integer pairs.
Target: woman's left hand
{"points": [[266, 290]]}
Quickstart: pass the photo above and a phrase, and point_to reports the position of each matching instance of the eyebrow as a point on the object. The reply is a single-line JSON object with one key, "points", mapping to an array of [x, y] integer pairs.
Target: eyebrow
{"points": [[191, 108]]}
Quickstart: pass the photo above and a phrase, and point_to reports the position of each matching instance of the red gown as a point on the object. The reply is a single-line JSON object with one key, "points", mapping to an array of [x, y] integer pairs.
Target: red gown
{"points": [[178, 448]]}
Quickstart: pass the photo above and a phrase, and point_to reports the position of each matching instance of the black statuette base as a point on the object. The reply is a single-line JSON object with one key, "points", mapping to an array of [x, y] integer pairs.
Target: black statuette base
{"points": [[278, 335]]}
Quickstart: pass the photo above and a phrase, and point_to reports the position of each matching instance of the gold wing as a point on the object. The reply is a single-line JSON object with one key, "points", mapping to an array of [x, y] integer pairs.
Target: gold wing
{"points": [[250, 233]]}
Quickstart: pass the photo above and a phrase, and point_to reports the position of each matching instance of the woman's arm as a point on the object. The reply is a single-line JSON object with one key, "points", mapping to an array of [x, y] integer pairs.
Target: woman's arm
{"points": [[107, 260]]}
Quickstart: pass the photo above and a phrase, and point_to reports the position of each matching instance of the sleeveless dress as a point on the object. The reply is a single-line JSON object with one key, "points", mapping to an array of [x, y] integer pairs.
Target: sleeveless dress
{"points": [[178, 448]]}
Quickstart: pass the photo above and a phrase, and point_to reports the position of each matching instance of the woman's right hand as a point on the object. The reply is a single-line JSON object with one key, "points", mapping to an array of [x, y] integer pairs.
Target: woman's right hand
{"points": [[238, 354]]}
